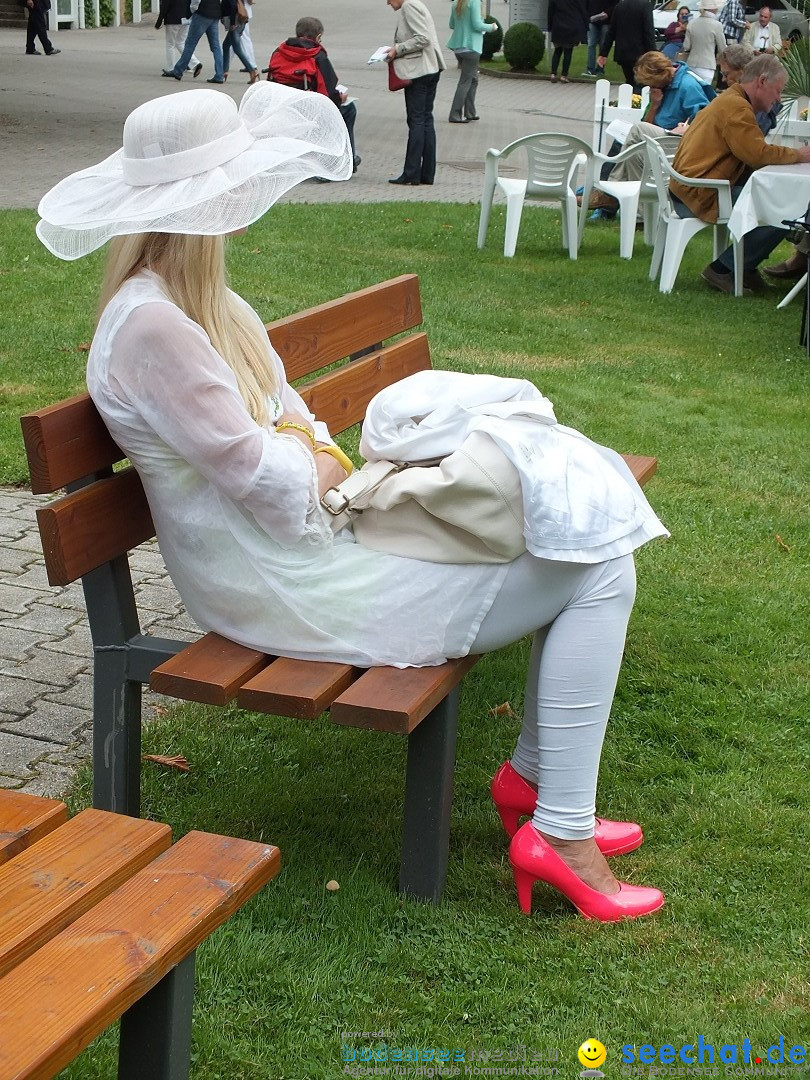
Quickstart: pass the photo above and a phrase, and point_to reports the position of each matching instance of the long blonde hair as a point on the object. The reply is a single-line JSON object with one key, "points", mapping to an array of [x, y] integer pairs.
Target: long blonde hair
{"points": [[193, 271], [461, 7]]}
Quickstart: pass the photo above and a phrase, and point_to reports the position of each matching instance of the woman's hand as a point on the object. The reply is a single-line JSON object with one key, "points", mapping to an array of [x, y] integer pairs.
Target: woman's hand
{"points": [[392, 53]]}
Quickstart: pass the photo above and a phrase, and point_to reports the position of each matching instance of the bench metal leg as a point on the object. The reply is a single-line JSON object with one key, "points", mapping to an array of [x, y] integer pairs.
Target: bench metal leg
{"points": [[428, 799], [156, 1031], [116, 734]]}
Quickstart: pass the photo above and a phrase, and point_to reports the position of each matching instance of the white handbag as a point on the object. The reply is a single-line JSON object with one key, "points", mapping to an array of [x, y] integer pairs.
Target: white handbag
{"points": [[466, 508]]}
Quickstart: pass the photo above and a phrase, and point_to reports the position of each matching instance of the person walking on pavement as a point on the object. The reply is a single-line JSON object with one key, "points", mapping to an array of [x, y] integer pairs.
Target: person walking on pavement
{"points": [[568, 26], [174, 17], [205, 16], [467, 42], [631, 33], [235, 24], [38, 28], [599, 12]]}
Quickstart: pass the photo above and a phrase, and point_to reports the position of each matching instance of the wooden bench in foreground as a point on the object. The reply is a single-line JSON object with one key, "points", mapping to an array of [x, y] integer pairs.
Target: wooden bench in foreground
{"points": [[87, 534], [99, 919]]}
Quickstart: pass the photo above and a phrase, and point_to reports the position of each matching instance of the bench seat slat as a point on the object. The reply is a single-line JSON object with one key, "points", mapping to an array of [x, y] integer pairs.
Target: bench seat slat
{"points": [[24, 819], [340, 397], [301, 688], [319, 336], [50, 884], [643, 468], [210, 671], [81, 981], [94, 525], [65, 442], [398, 699]]}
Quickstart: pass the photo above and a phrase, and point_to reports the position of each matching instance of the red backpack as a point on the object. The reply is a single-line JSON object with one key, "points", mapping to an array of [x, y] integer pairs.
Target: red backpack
{"points": [[295, 66]]}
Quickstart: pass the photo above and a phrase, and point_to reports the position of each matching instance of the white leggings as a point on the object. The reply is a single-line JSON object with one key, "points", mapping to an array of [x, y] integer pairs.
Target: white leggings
{"points": [[578, 614]]}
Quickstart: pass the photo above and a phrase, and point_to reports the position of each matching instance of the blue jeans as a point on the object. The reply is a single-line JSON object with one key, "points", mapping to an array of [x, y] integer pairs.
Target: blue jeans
{"points": [[233, 40], [757, 244], [198, 26], [597, 32], [420, 157]]}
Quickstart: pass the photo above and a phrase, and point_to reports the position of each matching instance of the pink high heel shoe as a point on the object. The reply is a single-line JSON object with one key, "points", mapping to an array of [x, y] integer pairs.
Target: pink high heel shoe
{"points": [[533, 859], [515, 797]]}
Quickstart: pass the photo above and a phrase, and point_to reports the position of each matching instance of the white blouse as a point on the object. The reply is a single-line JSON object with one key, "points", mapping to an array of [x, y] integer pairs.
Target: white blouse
{"points": [[236, 511]]}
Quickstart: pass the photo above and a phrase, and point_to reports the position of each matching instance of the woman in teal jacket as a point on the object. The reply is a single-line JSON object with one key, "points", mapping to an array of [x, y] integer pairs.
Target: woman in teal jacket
{"points": [[466, 41]]}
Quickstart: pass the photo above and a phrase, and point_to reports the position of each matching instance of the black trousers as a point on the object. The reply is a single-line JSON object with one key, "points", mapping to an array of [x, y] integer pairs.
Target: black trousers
{"points": [[37, 28], [420, 157]]}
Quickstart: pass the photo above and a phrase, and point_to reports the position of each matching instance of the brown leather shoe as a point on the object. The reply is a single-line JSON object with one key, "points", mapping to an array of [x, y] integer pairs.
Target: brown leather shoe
{"points": [[600, 201], [789, 270], [722, 282]]}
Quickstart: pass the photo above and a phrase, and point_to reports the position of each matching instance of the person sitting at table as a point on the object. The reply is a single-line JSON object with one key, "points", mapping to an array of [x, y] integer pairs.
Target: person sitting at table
{"points": [[764, 36], [724, 142], [732, 61], [676, 96]]}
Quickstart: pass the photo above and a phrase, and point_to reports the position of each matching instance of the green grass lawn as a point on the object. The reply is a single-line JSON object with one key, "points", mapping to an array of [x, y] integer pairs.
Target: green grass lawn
{"points": [[708, 742], [579, 63]]}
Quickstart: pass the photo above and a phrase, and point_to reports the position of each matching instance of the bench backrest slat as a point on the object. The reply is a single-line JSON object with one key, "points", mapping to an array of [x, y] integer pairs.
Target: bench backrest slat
{"points": [[313, 339], [94, 525], [340, 397], [66, 442]]}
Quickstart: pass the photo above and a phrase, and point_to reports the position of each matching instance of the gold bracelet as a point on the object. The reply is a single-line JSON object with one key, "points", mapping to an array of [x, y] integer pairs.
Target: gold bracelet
{"points": [[342, 459], [298, 427]]}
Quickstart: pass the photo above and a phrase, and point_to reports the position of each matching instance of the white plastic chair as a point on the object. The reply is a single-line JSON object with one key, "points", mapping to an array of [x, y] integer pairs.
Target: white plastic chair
{"points": [[629, 193], [604, 113], [553, 163], [790, 130], [673, 233]]}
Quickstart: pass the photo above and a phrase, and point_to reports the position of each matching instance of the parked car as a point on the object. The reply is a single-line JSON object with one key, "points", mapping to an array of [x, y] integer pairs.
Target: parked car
{"points": [[791, 22]]}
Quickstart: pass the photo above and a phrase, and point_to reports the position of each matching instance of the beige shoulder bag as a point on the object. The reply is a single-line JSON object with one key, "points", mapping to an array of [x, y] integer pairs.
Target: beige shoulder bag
{"points": [[467, 508]]}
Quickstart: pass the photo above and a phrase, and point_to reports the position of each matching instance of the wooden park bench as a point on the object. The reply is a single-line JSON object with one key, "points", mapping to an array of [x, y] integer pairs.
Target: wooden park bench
{"points": [[100, 917], [88, 532]]}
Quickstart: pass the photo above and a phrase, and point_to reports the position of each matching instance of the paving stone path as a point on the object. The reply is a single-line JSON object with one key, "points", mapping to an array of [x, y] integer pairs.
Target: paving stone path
{"points": [[46, 652]]}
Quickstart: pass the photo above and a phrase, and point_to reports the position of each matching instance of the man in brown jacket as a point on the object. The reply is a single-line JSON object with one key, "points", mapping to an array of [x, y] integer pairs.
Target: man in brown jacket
{"points": [[724, 142]]}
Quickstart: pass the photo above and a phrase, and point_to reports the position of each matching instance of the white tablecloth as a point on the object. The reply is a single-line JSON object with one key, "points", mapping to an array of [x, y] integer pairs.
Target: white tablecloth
{"points": [[771, 195]]}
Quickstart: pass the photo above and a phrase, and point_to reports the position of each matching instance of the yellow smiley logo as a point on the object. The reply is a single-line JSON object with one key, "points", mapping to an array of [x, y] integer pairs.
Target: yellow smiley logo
{"points": [[592, 1054]]}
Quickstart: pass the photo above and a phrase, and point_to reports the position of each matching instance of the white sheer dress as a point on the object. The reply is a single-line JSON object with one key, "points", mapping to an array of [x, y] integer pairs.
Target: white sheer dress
{"points": [[236, 512]]}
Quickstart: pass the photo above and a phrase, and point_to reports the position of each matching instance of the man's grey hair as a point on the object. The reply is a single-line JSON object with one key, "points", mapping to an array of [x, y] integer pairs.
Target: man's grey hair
{"points": [[762, 67], [736, 56], [308, 27]]}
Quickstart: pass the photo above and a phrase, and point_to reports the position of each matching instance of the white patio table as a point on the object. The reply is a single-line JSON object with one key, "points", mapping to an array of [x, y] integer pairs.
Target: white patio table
{"points": [[772, 195]]}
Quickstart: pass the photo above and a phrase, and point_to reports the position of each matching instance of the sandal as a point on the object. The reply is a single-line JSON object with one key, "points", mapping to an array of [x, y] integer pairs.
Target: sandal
{"points": [[254, 77]]}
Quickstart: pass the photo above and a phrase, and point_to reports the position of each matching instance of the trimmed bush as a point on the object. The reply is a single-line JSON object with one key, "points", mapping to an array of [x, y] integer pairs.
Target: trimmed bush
{"points": [[523, 46], [493, 40]]}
